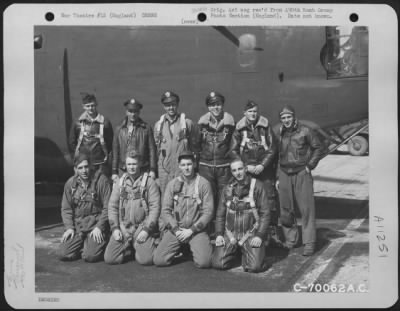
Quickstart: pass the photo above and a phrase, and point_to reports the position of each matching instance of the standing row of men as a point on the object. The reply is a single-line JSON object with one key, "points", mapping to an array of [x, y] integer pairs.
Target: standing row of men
{"points": [[237, 166]]}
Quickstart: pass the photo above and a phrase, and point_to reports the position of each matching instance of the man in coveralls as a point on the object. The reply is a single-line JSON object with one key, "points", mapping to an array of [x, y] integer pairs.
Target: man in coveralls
{"points": [[299, 152], [216, 143], [133, 213], [84, 213], [174, 133], [187, 208], [93, 133], [134, 134], [258, 148], [242, 221]]}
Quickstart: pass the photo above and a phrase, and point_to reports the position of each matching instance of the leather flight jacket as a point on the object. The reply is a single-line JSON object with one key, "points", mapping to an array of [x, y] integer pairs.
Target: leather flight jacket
{"points": [[299, 147], [216, 144]]}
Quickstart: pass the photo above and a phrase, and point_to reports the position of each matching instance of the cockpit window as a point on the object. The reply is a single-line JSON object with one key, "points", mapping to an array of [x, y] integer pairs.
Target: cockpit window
{"points": [[345, 53], [247, 51]]}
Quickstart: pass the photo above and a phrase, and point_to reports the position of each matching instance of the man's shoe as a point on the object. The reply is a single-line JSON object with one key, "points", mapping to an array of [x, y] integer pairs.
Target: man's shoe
{"points": [[274, 240], [288, 245], [309, 249]]}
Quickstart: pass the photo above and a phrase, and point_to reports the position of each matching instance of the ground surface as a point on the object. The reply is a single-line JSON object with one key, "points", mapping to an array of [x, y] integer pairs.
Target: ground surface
{"points": [[342, 193]]}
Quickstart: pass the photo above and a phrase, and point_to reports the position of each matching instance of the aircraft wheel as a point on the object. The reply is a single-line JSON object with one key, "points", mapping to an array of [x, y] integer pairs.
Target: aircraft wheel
{"points": [[358, 145]]}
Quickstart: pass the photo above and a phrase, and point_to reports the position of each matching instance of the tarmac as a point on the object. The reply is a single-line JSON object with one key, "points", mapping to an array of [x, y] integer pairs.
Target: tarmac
{"points": [[341, 261]]}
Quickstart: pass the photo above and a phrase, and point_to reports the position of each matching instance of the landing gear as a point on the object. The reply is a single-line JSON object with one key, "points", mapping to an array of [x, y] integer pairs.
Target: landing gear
{"points": [[358, 145]]}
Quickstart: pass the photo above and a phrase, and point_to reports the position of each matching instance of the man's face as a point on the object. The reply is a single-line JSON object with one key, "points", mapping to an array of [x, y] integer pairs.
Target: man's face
{"points": [[83, 170], [186, 167], [251, 114], [287, 120], [171, 108], [238, 170], [216, 109], [133, 114], [91, 109], [132, 166]]}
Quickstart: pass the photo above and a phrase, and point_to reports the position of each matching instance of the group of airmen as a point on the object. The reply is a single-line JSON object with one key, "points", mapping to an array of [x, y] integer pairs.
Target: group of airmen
{"points": [[143, 194]]}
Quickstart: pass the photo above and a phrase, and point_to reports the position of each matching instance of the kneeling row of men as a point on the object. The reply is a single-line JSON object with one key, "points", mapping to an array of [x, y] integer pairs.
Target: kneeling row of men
{"points": [[132, 209]]}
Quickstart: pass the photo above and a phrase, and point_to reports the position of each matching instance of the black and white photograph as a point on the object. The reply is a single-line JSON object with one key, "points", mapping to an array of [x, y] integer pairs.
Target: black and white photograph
{"points": [[201, 157]]}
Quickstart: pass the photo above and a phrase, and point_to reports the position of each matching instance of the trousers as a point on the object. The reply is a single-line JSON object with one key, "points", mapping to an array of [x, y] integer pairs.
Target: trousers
{"points": [[164, 177], [269, 186], [297, 190], [77, 247], [218, 177], [200, 246], [252, 257], [118, 252]]}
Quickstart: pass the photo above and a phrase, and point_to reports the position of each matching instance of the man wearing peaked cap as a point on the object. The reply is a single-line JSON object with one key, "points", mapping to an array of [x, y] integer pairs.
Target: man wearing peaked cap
{"points": [[169, 97], [299, 152], [92, 132], [214, 97], [258, 148], [133, 105], [216, 143], [173, 133], [134, 134]]}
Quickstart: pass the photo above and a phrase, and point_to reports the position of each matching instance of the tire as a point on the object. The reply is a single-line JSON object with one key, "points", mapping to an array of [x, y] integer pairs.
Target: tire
{"points": [[358, 145]]}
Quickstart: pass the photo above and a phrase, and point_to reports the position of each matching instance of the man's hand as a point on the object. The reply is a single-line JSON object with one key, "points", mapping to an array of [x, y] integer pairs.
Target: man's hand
{"points": [[255, 242], [97, 235], [308, 170], [69, 233], [117, 235], [258, 169], [152, 175], [277, 185], [220, 241], [142, 236], [251, 168], [114, 178], [184, 234]]}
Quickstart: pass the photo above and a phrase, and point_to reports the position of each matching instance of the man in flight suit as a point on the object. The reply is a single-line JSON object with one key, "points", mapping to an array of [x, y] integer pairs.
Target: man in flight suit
{"points": [[258, 148], [242, 221], [84, 213], [133, 214], [134, 134], [174, 133], [93, 133], [187, 208], [299, 152]]}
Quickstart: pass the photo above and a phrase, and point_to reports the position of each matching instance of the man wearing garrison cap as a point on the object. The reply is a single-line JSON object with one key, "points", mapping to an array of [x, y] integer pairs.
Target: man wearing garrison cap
{"points": [[216, 143], [174, 133], [258, 148], [94, 133], [299, 152], [134, 134], [84, 212]]}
